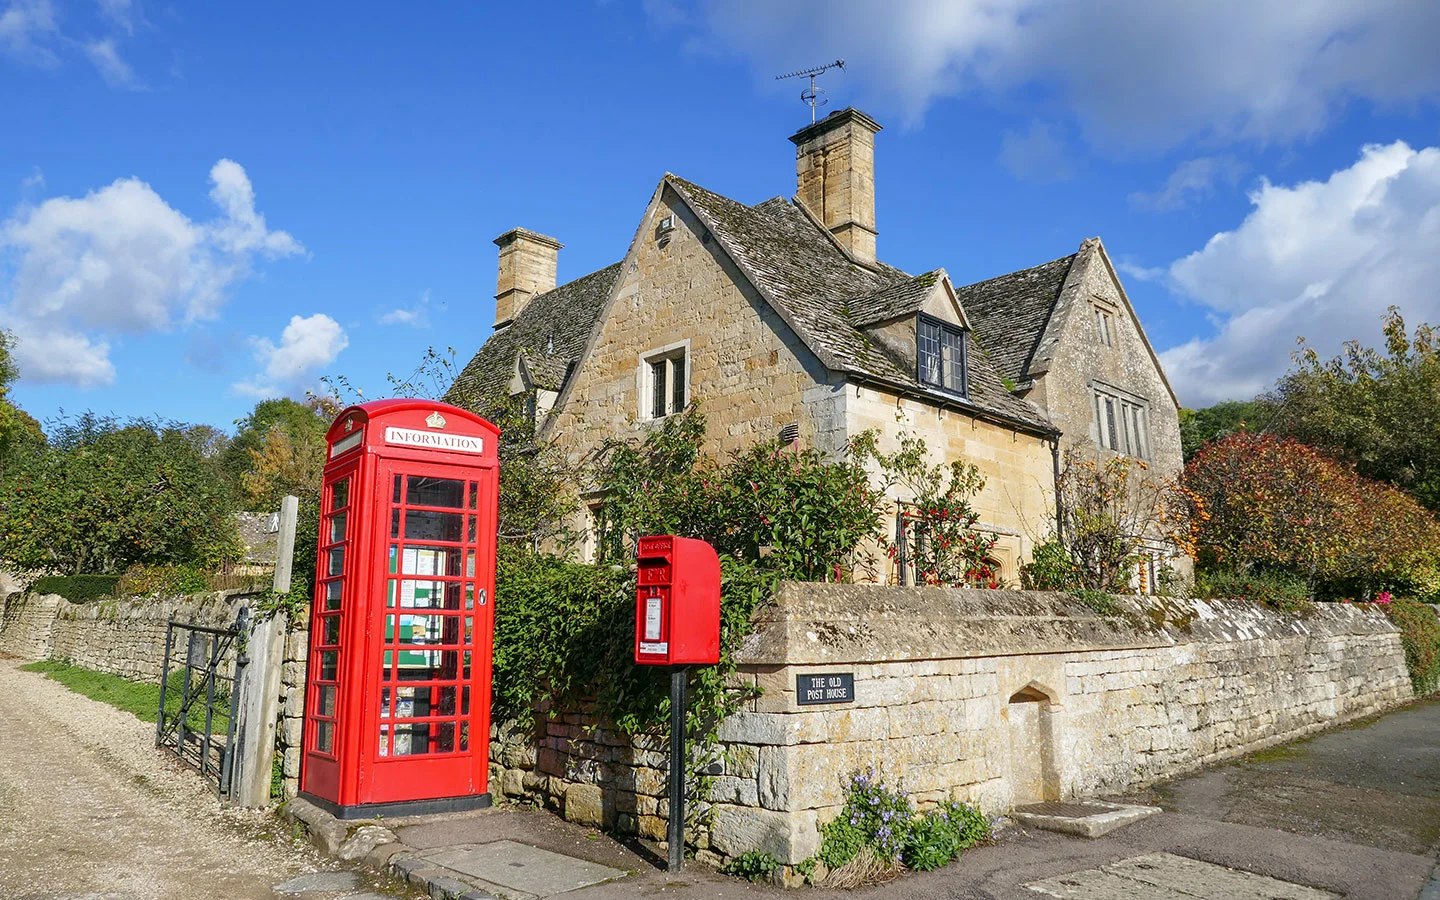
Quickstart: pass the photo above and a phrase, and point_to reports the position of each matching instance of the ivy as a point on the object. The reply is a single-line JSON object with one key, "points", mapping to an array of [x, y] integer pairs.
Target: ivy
{"points": [[1420, 636]]}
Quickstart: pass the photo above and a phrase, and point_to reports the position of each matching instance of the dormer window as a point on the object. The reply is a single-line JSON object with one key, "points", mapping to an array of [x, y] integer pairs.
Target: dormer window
{"points": [[940, 355]]}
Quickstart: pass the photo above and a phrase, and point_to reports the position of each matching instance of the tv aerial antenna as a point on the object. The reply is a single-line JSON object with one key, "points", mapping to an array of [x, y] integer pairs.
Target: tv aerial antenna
{"points": [[813, 95]]}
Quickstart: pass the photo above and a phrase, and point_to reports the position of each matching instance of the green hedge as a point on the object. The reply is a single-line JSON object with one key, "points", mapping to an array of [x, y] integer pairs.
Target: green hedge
{"points": [[77, 588], [1420, 634]]}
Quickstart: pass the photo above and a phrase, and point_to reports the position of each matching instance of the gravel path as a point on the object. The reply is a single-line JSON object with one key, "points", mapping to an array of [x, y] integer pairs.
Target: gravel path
{"points": [[90, 809]]}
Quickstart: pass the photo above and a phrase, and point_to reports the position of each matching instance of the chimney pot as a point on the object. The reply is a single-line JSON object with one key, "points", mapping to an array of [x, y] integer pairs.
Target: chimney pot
{"points": [[528, 263], [835, 177]]}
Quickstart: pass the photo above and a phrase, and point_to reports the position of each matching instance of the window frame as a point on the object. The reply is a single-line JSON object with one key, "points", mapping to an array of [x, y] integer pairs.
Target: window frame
{"points": [[1104, 323], [675, 358], [1122, 421], [961, 345]]}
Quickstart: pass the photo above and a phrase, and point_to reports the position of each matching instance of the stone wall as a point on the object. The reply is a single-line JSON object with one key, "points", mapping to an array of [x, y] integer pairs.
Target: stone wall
{"points": [[992, 697], [121, 637], [27, 624], [127, 638]]}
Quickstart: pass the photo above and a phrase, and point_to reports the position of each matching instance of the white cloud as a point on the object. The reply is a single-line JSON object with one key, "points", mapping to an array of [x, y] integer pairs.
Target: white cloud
{"points": [[121, 260], [1192, 179], [1319, 259], [115, 71], [417, 316], [306, 345], [1037, 155], [25, 26], [1134, 73]]}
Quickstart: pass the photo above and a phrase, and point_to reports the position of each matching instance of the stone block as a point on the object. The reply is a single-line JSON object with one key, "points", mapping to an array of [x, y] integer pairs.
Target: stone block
{"points": [[585, 805], [756, 728], [789, 837], [290, 764]]}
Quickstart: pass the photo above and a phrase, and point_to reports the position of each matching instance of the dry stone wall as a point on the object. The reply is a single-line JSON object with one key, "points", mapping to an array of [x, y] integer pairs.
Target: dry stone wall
{"points": [[127, 638], [121, 637], [992, 697]]}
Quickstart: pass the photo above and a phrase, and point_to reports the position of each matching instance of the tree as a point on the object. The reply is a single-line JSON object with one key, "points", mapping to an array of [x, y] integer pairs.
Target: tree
{"points": [[105, 495], [1110, 512], [13, 421], [1376, 410], [1200, 426], [1276, 504], [300, 425]]}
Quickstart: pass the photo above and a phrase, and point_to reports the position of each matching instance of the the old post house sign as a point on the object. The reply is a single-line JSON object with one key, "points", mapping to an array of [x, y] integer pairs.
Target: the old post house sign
{"points": [[831, 687]]}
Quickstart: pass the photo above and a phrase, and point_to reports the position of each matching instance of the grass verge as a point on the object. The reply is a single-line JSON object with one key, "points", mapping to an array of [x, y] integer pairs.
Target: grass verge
{"points": [[138, 698]]}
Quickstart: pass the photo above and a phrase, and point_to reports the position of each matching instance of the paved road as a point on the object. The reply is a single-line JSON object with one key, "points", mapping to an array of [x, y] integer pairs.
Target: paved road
{"points": [[1355, 812], [89, 809]]}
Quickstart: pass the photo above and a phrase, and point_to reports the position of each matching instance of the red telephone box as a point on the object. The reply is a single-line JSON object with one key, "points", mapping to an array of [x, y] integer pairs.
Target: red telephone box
{"points": [[677, 603], [397, 704]]}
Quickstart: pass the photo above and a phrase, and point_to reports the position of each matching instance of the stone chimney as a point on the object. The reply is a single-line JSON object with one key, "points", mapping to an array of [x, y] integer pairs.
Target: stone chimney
{"points": [[527, 268], [835, 175]]}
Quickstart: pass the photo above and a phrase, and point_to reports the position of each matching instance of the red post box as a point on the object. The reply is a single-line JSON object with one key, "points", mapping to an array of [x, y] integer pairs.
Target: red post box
{"points": [[397, 706], [677, 602]]}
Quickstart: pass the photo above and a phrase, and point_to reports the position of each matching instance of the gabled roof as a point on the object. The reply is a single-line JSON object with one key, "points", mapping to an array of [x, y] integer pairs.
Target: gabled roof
{"points": [[549, 333], [1010, 312], [827, 299]]}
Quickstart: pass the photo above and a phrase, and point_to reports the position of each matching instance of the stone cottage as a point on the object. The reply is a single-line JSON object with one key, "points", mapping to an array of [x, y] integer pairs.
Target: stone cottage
{"points": [[780, 320]]}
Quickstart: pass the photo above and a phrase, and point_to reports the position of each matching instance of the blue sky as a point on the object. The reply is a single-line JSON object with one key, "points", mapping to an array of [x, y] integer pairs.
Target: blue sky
{"points": [[203, 204]]}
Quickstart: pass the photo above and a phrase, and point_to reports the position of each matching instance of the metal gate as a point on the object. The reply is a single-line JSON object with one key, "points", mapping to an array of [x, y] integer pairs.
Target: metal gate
{"points": [[200, 696]]}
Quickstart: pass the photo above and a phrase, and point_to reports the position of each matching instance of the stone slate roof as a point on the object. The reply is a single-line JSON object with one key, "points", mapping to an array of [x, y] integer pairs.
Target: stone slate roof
{"points": [[903, 298], [825, 297], [1009, 313], [551, 331], [828, 299], [260, 543]]}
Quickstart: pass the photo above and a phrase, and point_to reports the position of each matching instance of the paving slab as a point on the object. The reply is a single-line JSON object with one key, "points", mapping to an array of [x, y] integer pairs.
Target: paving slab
{"points": [[518, 867], [1091, 818], [1167, 876], [1183, 874], [319, 881]]}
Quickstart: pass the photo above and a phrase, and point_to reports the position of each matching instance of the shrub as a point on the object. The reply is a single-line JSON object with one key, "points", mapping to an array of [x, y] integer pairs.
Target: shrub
{"points": [[752, 865], [1050, 569], [164, 580], [1420, 635], [76, 588], [940, 521], [1275, 503], [1277, 590], [880, 822], [783, 509], [943, 834]]}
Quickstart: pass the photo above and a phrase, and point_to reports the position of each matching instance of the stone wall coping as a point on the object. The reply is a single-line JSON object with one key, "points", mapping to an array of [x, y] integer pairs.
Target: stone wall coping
{"points": [[823, 624]]}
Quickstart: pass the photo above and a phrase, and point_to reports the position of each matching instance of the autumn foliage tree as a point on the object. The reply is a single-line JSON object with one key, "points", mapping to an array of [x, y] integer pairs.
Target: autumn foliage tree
{"points": [[1277, 504]]}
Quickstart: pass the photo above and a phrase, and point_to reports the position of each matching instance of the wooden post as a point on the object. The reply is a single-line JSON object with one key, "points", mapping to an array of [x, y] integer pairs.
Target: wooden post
{"points": [[260, 684]]}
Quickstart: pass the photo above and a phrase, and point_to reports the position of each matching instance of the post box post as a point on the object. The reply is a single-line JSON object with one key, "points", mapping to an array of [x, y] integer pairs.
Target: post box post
{"points": [[676, 826]]}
